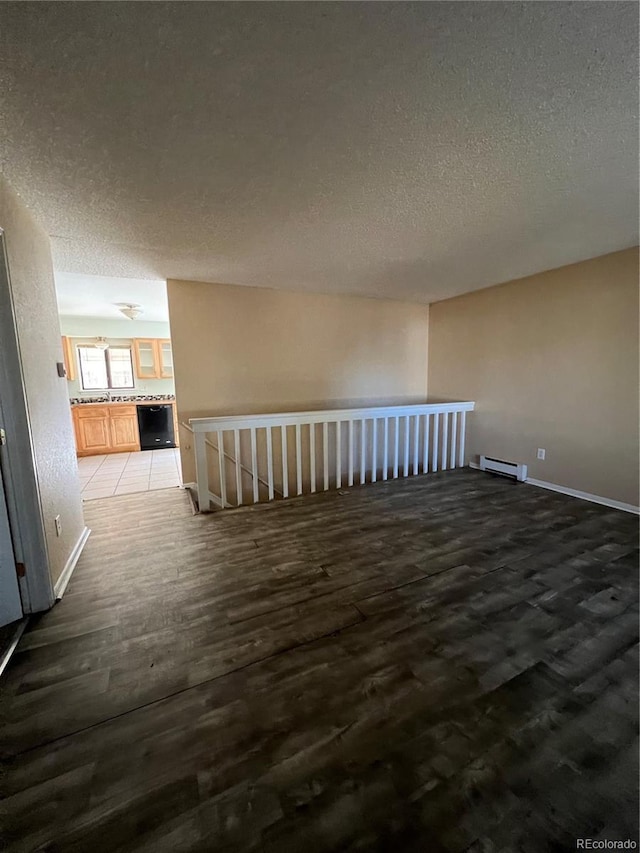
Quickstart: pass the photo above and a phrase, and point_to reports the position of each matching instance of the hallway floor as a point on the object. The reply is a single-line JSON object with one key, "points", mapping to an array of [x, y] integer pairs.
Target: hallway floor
{"points": [[123, 473], [441, 664]]}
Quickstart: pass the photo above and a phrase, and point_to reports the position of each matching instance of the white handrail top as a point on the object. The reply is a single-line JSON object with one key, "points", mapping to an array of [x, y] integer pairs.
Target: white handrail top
{"points": [[324, 416]]}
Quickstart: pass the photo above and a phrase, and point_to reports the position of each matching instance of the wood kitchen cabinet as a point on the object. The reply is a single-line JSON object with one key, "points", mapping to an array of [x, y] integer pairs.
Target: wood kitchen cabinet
{"points": [[92, 430], [165, 359], [105, 429], [123, 427], [153, 358], [69, 356], [145, 358]]}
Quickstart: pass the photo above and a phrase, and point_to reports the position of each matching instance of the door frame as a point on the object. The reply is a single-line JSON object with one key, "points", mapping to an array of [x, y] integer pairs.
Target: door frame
{"points": [[11, 609], [18, 461]]}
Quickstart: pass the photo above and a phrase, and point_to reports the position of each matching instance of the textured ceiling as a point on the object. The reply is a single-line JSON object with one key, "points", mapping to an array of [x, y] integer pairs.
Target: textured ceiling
{"points": [[409, 150], [96, 296]]}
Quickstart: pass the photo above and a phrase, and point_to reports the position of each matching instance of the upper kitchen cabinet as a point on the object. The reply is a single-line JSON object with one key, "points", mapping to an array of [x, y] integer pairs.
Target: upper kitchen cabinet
{"points": [[69, 355], [165, 357], [153, 358], [145, 358]]}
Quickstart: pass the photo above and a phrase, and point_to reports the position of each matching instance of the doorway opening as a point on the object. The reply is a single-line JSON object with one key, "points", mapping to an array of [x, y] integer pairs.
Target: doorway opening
{"points": [[119, 365]]}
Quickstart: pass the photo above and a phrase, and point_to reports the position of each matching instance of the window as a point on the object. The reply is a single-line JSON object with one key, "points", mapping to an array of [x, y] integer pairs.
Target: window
{"points": [[108, 368], [120, 367]]}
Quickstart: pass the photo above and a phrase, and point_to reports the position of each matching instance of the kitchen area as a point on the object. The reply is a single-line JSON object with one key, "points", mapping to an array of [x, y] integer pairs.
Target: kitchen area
{"points": [[119, 370]]}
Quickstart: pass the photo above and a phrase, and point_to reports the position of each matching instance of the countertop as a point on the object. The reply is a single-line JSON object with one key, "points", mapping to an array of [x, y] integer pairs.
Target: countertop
{"points": [[122, 401]]}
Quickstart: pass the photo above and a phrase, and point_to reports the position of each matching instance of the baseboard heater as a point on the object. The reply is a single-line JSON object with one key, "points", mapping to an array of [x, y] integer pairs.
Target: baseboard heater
{"points": [[516, 470]]}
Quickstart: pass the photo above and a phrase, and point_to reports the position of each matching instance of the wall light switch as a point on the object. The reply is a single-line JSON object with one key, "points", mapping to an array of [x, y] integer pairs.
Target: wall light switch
{"points": [[541, 452], [58, 526]]}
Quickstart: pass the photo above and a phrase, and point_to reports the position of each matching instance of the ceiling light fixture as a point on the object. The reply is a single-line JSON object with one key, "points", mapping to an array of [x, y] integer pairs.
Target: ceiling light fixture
{"points": [[101, 343], [129, 309]]}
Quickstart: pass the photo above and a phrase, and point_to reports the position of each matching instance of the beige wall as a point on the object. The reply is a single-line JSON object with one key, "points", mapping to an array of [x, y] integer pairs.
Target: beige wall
{"points": [[36, 317], [241, 350], [552, 362]]}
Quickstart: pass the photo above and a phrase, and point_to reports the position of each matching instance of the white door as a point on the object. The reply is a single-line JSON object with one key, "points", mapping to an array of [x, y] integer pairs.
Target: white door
{"points": [[10, 604]]}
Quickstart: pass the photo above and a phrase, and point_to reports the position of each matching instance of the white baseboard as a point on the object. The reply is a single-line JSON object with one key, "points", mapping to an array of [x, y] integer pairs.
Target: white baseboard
{"points": [[584, 496], [5, 657], [576, 493], [65, 576]]}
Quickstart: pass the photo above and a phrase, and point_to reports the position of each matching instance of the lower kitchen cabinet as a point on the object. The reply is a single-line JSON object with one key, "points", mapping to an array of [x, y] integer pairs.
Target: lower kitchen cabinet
{"points": [[123, 426], [105, 429], [92, 431], [109, 428]]}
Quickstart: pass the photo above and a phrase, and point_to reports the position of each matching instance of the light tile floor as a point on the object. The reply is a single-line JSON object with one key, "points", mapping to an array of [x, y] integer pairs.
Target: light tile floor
{"points": [[123, 473]]}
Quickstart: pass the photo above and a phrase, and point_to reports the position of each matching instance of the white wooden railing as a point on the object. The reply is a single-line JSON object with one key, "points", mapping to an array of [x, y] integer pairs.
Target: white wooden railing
{"points": [[304, 452], [234, 461]]}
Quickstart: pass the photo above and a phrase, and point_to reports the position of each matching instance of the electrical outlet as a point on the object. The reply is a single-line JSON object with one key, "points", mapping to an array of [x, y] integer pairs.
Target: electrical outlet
{"points": [[58, 526], [541, 453]]}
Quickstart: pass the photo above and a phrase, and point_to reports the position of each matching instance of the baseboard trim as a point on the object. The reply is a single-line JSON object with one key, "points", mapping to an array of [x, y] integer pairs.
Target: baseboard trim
{"points": [[584, 496], [576, 493], [74, 556], [8, 652]]}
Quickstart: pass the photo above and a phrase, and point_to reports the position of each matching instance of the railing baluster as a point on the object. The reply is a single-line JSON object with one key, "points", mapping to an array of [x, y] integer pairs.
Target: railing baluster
{"points": [[385, 451], [270, 463], [254, 466], [350, 480], [396, 440], [416, 443], [325, 454], [454, 438], [463, 420], [222, 469], [445, 438], [236, 447], [202, 471], [298, 460], [285, 461], [406, 447], [312, 455], [434, 458], [425, 460], [363, 451], [338, 456], [374, 454]]}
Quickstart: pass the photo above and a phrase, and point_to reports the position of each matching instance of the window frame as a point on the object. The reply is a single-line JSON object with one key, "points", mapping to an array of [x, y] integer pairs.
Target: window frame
{"points": [[107, 360]]}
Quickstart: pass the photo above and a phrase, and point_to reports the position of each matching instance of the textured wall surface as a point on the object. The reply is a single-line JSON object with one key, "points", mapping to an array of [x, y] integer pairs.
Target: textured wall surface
{"points": [[48, 404], [552, 362], [241, 350], [408, 150]]}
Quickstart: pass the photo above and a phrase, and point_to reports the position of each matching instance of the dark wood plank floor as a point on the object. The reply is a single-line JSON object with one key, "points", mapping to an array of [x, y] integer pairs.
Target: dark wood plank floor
{"points": [[444, 663]]}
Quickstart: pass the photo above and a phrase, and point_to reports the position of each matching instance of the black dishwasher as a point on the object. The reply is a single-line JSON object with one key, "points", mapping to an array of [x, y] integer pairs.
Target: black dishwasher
{"points": [[155, 424]]}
